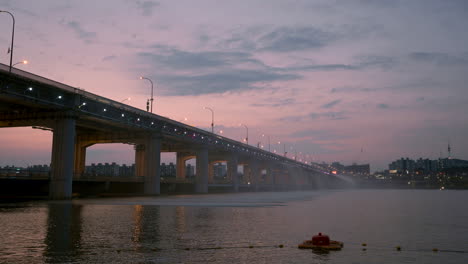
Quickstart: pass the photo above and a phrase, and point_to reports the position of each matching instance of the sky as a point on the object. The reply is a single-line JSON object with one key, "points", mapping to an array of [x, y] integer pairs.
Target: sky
{"points": [[354, 81]]}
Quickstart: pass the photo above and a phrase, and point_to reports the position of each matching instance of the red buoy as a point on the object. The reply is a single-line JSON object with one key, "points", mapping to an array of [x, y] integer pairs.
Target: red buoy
{"points": [[320, 240]]}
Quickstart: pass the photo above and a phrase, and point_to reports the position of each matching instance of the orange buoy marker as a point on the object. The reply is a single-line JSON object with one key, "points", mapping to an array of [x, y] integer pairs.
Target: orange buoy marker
{"points": [[321, 241]]}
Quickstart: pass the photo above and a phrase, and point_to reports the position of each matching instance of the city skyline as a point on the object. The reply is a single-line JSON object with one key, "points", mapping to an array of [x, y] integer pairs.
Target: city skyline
{"points": [[348, 81]]}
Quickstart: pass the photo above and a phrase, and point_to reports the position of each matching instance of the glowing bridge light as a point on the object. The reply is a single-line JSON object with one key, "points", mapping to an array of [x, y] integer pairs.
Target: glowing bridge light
{"points": [[152, 123], [105, 110], [59, 97], [123, 115], [30, 89], [138, 119]]}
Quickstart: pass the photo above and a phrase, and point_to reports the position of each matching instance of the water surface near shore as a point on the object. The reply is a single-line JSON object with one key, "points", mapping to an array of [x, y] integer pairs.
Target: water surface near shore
{"points": [[240, 228]]}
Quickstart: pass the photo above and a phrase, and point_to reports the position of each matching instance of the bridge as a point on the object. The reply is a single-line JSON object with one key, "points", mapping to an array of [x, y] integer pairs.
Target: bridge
{"points": [[79, 119]]}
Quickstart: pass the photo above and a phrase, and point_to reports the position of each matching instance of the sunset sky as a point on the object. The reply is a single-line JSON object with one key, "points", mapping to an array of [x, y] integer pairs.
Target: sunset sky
{"points": [[365, 81]]}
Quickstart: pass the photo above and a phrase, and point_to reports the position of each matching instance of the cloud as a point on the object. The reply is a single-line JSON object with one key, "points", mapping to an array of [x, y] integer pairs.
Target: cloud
{"points": [[331, 104], [361, 63], [278, 103], [109, 58], [315, 116], [351, 89], [384, 62], [440, 59], [376, 3], [179, 59], [383, 106], [221, 81], [86, 36], [293, 119], [285, 39], [147, 7], [329, 116], [324, 67], [206, 72], [318, 134]]}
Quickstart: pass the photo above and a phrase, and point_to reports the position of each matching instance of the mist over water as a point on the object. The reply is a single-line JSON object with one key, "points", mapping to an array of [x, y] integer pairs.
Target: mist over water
{"points": [[240, 228], [349, 180]]}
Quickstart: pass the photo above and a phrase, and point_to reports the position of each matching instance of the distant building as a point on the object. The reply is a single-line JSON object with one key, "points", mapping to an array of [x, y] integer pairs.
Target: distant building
{"points": [[406, 165], [338, 166], [127, 171], [449, 163], [220, 170], [356, 169], [425, 165], [106, 169], [402, 165], [189, 170]]}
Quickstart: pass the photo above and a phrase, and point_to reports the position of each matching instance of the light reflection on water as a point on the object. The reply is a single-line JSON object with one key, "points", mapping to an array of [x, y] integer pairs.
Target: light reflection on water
{"points": [[239, 228]]}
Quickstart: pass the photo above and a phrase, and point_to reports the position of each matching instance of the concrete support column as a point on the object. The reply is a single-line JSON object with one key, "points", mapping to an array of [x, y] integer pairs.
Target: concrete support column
{"points": [[152, 164], [232, 172], [274, 171], [201, 178], [211, 172], [63, 150], [180, 166], [140, 160], [300, 178], [285, 177], [295, 174], [80, 159], [269, 177], [255, 172], [246, 175]]}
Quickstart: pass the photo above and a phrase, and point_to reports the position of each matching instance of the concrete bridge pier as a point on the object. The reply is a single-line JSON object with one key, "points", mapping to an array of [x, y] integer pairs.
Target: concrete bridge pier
{"points": [[140, 160], [232, 163], [80, 159], [62, 162], [269, 179], [274, 180], [181, 158], [201, 177], [255, 174], [211, 171], [152, 162], [80, 155]]}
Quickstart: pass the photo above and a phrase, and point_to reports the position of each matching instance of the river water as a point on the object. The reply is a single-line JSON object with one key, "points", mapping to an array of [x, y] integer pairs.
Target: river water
{"points": [[240, 228]]}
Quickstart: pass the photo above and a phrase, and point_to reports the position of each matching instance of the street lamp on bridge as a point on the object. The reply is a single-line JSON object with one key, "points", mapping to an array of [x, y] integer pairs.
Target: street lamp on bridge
{"points": [[12, 37], [247, 134], [151, 99], [126, 99], [212, 118], [263, 135], [20, 62]]}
